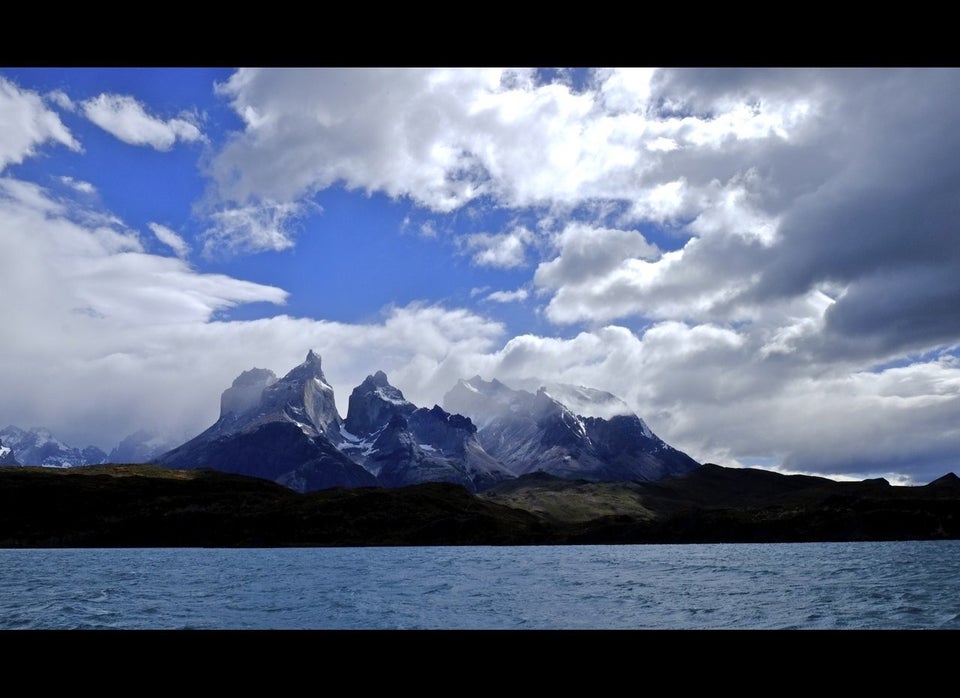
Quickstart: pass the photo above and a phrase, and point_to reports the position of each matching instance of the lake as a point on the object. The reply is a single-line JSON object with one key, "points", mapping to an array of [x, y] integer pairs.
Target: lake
{"points": [[887, 585]]}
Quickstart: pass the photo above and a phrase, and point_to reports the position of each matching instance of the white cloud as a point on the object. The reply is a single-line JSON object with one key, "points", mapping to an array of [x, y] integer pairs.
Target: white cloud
{"points": [[587, 252], [104, 338], [127, 119], [446, 137], [504, 250], [169, 238], [625, 90], [27, 123], [521, 294], [254, 228], [78, 184], [97, 321], [664, 202], [60, 98]]}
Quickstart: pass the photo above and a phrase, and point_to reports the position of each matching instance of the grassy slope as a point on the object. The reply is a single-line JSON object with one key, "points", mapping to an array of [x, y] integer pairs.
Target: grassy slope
{"points": [[140, 505]]}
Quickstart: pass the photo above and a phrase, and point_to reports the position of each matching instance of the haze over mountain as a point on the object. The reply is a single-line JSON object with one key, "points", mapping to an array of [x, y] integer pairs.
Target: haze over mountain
{"points": [[530, 432], [38, 446], [289, 431], [140, 447]]}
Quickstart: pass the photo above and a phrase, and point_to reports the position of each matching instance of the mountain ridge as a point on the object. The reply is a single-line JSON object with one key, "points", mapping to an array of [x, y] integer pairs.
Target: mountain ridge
{"points": [[385, 439]]}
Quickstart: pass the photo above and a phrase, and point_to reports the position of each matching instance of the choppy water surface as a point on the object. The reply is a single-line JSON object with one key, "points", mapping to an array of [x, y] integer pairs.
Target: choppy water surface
{"points": [[808, 585]]}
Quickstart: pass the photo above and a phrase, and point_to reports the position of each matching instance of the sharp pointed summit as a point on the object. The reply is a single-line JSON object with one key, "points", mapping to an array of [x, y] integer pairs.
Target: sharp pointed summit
{"points": [[285, 430], [373, 403]]}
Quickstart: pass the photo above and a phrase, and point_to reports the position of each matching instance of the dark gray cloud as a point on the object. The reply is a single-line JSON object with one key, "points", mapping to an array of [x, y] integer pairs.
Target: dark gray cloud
{"points": [[885, 222], [912, 309], [698, 90]]}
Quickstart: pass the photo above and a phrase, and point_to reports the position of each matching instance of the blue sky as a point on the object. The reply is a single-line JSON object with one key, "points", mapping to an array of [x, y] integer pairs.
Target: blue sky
{"points": [[763, 263]]}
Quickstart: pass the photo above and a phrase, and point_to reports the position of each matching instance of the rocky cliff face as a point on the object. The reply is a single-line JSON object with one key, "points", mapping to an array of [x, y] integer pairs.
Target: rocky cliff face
{"points": [[434, 446], [403, 445], [288, 433], [373, 403]]}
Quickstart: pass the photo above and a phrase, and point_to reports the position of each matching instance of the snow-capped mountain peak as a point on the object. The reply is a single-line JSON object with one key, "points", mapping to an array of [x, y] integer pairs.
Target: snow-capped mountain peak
{"points": [[559, 429], [6, 455], [38, 446]]}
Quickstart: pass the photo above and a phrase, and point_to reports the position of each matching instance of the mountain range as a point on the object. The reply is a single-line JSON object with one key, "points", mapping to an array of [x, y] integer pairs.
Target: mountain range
{"points": [[289, 430], [38, 446], [496, 465]]}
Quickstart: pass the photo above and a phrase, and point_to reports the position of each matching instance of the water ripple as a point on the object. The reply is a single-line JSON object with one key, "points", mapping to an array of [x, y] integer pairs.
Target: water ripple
{"points": [[824, 585]]}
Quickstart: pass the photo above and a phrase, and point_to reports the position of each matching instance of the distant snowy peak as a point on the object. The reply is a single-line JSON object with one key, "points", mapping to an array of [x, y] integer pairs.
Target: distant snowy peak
{"points": [[37, 446], [6, 455], [373, 404], [484, 401], [140, 447], [587, 402], [555, 429]]}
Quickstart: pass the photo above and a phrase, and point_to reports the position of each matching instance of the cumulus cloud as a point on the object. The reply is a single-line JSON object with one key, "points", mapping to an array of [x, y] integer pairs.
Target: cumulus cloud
{"points": [[27, 123], [521, 294], [601, 274], [255, 228], [62, 100], [587, 252], [169, 238], [78, 184], [504, 250], [446, 137], [127, 119]]}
